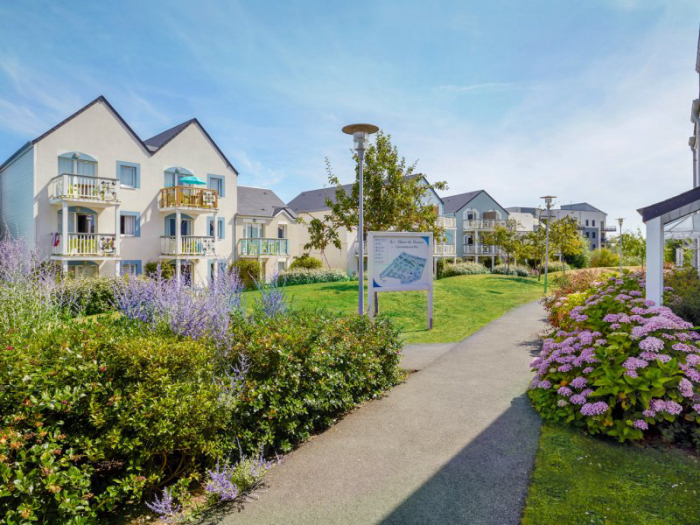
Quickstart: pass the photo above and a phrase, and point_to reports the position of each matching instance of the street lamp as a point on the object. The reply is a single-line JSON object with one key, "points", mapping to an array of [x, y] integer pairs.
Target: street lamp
{"points": [[548, 201], [359, 133], [619, 221]]}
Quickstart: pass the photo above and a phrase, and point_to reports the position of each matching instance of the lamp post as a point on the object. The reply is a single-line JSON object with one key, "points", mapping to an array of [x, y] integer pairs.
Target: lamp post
{"points": [[619, 221], [359, 133], [548, 201]]}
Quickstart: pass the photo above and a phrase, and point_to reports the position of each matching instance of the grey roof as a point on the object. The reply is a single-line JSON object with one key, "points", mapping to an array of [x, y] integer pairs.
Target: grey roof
{"points": [[673, 208], [581, 206], [260, 202], [455, 203], [151, 145]]}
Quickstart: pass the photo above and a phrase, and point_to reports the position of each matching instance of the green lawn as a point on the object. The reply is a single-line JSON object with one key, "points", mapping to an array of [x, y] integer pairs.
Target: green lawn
{"points": [[582, 479], [462, 304]]}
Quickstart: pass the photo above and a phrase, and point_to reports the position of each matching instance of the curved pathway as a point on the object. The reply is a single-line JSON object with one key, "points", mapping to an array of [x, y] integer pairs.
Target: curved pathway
{"points": [[454, 444]]}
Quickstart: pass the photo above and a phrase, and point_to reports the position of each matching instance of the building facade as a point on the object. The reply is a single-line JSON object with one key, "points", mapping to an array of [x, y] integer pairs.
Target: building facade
{"points": [[92, 195]]}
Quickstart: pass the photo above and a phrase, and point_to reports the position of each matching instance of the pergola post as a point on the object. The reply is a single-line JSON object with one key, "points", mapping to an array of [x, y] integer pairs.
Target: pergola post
{"points": [[655, 261]]}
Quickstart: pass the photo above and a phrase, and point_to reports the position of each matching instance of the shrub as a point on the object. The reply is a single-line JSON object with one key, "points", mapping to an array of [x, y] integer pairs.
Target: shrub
{"points": [[439, 268], [249, 271], [464, 268], [564, 285], [293, 277], [685, 296], [619, 366], [556, 266], [306, 262], [91, 296], [166, 270], [603, 258], [513, 269], [579, 260]]}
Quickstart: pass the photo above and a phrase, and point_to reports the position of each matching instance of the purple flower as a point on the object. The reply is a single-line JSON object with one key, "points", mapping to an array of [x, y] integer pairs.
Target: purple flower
{"points": [[610, 318], [696, 407], [544, 384], [562, 403], [651, 344], [632, 363], [577, 399], [588, 370], [685, 387], [594, 409], [165, 507], [615, 326], [649, 413], [221, 484], [579, 382], [641, 424], [682, 347], [564, 368], [564, 391]]}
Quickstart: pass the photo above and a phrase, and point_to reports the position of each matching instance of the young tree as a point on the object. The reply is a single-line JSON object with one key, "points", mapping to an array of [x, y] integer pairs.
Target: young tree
{"points": [[507, 239], [321, 235], [393, 198], [633, 245], [565, 237]]}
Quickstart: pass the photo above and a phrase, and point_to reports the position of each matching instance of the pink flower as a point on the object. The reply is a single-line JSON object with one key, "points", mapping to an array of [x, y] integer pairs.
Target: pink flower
{"points": [[579, 382], [564, 391], [594, 409]]}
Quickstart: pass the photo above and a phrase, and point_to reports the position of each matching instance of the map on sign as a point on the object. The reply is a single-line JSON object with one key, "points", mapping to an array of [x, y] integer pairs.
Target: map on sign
{"points": [[406, 268]]}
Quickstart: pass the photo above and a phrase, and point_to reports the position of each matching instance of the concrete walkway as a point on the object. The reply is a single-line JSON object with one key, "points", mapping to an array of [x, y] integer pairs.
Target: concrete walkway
{"points": [[454, 444]]}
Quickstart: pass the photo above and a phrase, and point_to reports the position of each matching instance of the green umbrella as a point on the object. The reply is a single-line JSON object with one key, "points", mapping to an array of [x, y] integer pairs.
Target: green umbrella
{"points": [[191, 179]]}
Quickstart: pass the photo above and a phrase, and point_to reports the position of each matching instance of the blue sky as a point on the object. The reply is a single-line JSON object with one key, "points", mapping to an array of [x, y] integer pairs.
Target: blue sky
{"points": [[586, 100]]}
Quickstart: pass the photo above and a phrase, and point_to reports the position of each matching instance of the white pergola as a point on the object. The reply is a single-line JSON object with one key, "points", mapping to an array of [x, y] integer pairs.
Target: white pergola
{"points": [[674, 218]]}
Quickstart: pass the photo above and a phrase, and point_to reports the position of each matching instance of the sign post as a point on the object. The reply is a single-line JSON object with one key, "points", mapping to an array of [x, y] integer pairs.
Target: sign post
{"points": [[400, 261]]}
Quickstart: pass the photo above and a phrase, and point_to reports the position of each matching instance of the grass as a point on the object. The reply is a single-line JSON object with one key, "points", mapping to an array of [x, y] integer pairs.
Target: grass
{"points": [[461, 305], [582, 479]]}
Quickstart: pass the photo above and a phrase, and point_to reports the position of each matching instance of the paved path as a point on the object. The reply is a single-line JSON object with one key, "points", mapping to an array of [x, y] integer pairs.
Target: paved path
{"points": [[454, 444]]}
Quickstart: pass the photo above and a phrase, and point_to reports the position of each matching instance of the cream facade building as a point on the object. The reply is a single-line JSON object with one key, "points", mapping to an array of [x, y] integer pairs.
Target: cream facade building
{"points": [[97, 198]]}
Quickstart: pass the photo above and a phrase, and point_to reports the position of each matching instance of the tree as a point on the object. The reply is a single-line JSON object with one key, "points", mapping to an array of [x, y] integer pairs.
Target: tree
{"points": [[321, 235], [394, 199], [634, 245], [507, 239], [565, 237]]}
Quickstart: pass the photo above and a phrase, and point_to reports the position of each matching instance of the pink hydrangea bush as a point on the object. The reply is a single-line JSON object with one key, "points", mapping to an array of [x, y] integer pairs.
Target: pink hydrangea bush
{"points": [[620, 366]]}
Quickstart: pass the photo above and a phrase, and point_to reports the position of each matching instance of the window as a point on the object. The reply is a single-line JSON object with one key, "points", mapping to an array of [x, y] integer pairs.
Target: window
{"points": [[593, 234], [129, 224], [128, 174], [282, 231], [281, 266], [216, 182], [469, 215], [588, 235], [253, 231], [131, 268], [586, 222], [593, 221], [221, 227]]}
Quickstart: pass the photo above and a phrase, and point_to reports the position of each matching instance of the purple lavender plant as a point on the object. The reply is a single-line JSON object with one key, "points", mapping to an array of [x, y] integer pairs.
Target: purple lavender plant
{"points": [[221, 483], [165, 507], [273, 300]]}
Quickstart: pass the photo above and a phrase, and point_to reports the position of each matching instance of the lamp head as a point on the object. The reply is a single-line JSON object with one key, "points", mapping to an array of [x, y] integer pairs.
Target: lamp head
{"points": [[548, 199], [619, 220], [359, 133]]}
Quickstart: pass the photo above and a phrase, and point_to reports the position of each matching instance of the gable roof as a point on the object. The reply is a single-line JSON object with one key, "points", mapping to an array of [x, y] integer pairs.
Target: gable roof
{"points": [[673, 208], [454, 203], [151, 146], [315, 200], [581, 206], [261, 202]]}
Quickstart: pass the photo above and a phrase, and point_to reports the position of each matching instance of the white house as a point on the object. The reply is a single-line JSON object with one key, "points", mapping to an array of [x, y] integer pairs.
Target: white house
{"points": [[93, 195]]}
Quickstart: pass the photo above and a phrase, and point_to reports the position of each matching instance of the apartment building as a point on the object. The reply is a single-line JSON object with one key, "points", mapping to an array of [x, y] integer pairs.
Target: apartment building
{"points": [[475, 213], [91, 194], [266, 230], [312, 204], [591, 221]]}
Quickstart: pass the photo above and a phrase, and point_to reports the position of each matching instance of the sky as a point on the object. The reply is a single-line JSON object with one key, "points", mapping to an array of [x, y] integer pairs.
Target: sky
{"points": [[587, 100]]}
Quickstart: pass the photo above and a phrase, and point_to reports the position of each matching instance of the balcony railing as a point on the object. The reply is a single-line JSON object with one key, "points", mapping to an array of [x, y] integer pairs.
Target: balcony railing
{"points": [[83, 187], [483, 224], [612, 229], [95, 244], [190, 245], [189, 197], [471, 249], [257, 247], [445, 249], [449, 223]]}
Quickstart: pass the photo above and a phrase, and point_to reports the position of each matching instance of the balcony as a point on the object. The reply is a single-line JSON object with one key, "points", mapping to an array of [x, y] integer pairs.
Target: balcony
{"points": [[188, 198], [263, 247], [445, 249], [190, 246], [483, 224], [448, 223], [612, 229], [83, 188], [85, 245], [471, 249]]}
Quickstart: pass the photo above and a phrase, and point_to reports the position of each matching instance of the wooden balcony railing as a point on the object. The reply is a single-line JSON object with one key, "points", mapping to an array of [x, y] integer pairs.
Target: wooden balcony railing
{"points": [[255, 247], [189, 197], [483, 224], [190, 245], [83, 187], [472, 249], [95, 244]]}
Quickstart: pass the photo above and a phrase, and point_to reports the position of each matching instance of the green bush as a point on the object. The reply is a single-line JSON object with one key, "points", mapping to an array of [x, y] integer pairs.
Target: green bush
{"points": [[306, 262], [249, 271], [439, 268], [167, 270], [303, 276], [513, 269], [556, 266], [684, 285], [306, 370], [617, 365], [603, 258], [100, 412], [464, 268], [94, 295]]}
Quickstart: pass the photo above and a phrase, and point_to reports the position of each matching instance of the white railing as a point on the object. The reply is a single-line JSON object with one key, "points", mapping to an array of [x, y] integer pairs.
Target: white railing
{"points": [[190, 245], [83, 187], [483, 224], [255, 247], [445, 249], [449, 223], [471, 249], [97, 244]]}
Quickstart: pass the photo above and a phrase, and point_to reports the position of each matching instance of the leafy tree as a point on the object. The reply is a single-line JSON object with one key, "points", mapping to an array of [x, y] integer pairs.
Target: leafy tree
{"points": [[565, 237], [394, 198], [322, 234], [507, 239], [634, 245]]}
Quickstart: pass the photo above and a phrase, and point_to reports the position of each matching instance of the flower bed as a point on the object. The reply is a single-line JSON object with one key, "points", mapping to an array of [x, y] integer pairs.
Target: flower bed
{"points": [[618, 365]]}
